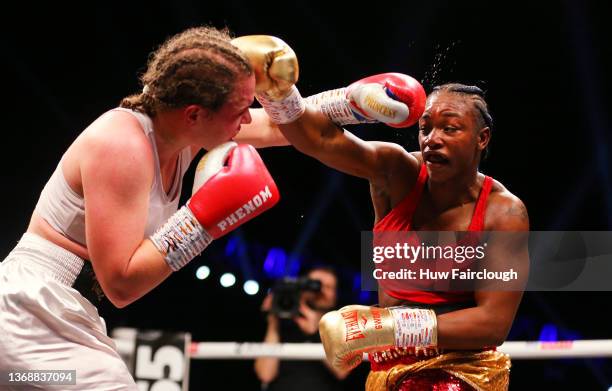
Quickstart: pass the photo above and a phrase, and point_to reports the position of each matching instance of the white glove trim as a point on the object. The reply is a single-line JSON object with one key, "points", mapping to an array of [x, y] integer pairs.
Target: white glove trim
{"points": [[180, 239], [415, 327], [286, 110], [211, 163]]}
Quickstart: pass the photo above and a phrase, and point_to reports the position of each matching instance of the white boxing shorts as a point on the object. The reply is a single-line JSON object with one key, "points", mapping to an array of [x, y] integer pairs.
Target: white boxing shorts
{"points": [[45, 324]]}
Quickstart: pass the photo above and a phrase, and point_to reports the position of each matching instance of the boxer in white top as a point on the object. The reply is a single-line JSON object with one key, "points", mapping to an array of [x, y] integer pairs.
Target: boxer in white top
{"points": [[111, 203]]}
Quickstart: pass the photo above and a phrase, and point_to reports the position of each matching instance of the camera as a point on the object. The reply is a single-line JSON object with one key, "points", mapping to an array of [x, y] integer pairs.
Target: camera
{"points": [[286, 295]]}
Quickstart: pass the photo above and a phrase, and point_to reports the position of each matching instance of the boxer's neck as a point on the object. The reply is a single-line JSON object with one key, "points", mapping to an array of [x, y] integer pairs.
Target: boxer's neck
{"points": [[454, 192], [168, 142]]}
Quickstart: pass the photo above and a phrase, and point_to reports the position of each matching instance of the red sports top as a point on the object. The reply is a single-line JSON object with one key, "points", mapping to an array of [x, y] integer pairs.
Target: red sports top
{"points": [[400, 219]]}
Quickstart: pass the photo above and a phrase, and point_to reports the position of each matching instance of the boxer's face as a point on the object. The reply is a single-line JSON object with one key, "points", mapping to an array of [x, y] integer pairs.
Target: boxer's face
{"points": [[223, 125], [450, 135]]}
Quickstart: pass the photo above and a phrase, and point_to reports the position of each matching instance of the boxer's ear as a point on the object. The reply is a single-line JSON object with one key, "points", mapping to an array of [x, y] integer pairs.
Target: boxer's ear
{"points": [[194, 113], [484, 136]]}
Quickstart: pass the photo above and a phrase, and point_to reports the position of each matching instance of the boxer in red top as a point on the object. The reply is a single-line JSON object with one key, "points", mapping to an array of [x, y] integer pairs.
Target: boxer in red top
{"points": [[438, 188]]}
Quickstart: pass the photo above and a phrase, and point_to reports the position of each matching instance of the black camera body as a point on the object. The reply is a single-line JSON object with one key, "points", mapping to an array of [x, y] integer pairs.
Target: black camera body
{"points": [[286, 295]]}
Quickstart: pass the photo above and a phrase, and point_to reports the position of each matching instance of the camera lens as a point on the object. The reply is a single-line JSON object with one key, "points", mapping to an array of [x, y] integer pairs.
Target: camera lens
{"points": [[308, 284], [286, 302]]}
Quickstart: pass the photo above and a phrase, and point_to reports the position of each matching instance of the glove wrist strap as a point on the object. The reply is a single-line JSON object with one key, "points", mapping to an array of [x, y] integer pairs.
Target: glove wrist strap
{"points": [[180, 239], [337, 107], [286, 110], [415, 327]]}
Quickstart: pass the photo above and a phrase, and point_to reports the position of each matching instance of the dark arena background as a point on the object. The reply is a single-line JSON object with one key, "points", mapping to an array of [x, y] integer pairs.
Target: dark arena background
{"points": [[545, 69]]}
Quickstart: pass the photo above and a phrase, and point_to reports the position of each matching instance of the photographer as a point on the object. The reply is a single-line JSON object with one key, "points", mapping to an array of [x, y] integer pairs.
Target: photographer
{"points": [[294, 309]]}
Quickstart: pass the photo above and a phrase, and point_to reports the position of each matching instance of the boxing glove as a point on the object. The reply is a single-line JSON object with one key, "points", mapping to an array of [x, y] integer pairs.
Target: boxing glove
{"points": [[231, 186], [276, 72], [356, 329], [395, 99]]}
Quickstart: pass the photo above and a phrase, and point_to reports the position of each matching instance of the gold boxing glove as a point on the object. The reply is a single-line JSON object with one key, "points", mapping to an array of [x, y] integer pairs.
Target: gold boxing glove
{"points": [[274, 62], [276, 72], [356, 329]]}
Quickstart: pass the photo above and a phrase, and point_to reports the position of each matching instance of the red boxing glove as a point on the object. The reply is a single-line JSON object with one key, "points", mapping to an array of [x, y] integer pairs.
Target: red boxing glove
{"points": [[231, 186], [239, 191], [395, 99], [369, 98]]}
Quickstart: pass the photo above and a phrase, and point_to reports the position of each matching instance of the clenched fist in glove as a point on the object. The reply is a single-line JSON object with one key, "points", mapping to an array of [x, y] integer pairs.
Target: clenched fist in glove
{"points": [[395, 99], [231, 186], [276, 72], [356, 329]]}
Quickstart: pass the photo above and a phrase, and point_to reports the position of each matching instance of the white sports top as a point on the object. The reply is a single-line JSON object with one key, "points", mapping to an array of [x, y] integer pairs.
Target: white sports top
{"points": [[64, 209]]}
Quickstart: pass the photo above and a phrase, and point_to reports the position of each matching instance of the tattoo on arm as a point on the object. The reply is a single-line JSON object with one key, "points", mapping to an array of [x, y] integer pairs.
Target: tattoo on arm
{"points": [[518, 211]]}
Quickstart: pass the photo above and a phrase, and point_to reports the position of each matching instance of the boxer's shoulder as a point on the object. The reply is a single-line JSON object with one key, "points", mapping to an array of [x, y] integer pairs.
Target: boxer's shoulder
{"points": [[505, 211], [418, 156], [115, 146], [117, 132], [399, 169]]}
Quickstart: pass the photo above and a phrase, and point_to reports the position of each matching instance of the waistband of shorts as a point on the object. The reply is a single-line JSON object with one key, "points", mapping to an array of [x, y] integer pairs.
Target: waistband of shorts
{"points": [[387, 359], [58, 263]]}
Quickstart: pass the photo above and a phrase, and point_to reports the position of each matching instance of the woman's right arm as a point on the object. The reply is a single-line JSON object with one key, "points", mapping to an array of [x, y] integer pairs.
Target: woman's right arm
{"points": [[313, 132], [315, 135]]}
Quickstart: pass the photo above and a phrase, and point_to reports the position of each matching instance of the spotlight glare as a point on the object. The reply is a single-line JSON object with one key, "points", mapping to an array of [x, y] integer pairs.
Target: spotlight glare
{"points": [[251, 287], [202, 272], [227, 280]]}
